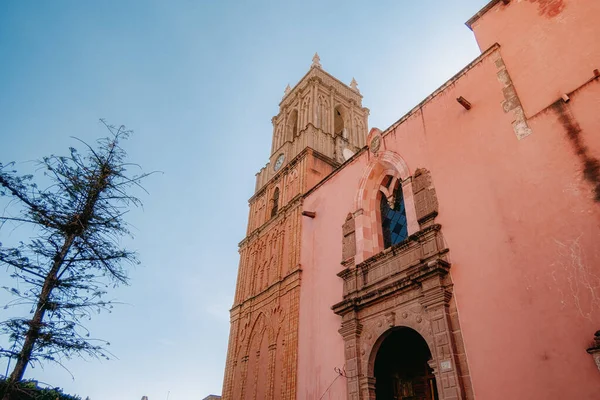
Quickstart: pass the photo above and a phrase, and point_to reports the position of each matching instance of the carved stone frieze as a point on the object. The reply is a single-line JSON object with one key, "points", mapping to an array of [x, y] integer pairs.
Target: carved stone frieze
{"points": [[349, 239], [426, 203]]}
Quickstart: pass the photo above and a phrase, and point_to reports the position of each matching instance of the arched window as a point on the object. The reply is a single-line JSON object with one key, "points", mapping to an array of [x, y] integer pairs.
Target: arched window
{"points": [[393, 216], [275, 203], [292, 128], [338, 121]]}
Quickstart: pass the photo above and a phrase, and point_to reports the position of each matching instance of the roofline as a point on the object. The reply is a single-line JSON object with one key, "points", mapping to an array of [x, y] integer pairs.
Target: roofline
{"points": [[481, 12], [349, 161], [439, 90], [436, 92]]}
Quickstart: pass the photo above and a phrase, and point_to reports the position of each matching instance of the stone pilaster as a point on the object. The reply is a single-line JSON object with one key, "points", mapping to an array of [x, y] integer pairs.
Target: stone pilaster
{"points": [[435, 301], [271, 372], [350, 331], [244, 366]]}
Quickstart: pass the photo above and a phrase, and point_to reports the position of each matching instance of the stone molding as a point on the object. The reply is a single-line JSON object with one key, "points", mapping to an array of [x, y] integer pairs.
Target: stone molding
{"points": [[325, 79], [420, 200], [511, 102]]}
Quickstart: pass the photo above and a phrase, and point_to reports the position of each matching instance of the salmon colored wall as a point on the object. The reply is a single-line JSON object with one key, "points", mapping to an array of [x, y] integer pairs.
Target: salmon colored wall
{"points": [[544, 41], [518, 220], [519, 216], [320, 346]]}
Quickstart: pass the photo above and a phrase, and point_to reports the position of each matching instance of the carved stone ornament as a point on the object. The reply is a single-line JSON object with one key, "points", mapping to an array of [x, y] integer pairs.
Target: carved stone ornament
{"points": [[354, 85], [316, 61], [375, 144], [390, 319]]}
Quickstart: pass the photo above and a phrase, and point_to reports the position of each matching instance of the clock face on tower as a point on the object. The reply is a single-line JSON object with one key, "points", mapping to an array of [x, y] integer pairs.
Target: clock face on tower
{"points": [[279, 162]]}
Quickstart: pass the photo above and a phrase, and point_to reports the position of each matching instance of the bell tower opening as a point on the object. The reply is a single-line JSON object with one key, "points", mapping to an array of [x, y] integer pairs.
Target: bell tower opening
{"points": [[338, 122], [292, 128], [402, 371]]}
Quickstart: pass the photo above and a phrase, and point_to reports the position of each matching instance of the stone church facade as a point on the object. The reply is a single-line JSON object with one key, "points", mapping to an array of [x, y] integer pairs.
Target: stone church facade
{"points": [[453, 255]]}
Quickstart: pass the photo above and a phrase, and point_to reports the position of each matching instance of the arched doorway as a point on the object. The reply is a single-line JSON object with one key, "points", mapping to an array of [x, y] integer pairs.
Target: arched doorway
{"points": [[401, 368]]}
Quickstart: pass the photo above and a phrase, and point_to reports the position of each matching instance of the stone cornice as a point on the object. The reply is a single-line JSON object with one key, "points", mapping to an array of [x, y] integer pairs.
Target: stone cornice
{"points": [[363, 298], [481, 12], [441, 89], [400, 247], [335, 171], [284, 212], [402, 267], [293, 279], [327, 79], [290, 165]]}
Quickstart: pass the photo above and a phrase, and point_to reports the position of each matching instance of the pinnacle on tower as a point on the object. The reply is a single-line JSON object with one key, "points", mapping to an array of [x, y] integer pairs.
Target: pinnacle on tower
{"points": [[287, 90], [354, 85], [316, 61]]}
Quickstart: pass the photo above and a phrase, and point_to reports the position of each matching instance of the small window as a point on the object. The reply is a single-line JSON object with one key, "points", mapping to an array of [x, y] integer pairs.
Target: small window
{"points": [[275, 203], [393, 220]]}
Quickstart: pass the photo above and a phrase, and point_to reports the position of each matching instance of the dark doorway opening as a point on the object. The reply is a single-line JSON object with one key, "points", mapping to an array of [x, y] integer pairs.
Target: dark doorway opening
{"points": [[401, 369]]}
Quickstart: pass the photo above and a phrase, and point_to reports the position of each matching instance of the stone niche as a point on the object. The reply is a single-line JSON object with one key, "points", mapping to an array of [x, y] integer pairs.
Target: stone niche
{"points": [[406, 285]]}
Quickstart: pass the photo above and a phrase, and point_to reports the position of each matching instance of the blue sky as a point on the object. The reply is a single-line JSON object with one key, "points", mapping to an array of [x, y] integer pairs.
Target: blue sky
{"points": [[198, 82]]}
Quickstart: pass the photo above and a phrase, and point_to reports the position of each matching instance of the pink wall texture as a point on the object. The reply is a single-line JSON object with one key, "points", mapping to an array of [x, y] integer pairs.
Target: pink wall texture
{"points": [[518, 183]]}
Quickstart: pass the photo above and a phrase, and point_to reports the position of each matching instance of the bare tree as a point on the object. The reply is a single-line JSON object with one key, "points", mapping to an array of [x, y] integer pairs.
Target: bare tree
{"points": [[75, 254]]}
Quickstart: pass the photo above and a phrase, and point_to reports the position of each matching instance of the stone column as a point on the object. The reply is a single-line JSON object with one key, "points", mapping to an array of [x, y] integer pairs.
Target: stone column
{"points": [[332, 113], [352, 129], [435, 300], [367, 387], [312, 104], [350, 331], [244, 371]]}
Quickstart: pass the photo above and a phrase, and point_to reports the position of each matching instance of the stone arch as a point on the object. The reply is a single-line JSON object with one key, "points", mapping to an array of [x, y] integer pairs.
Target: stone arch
{"points": [[357, 129], [371, 346], [251, 271], [291, 187], [322, 113], [304, 112], [259, 326], [248, 359], [275, 202], [278, 380], [278, 138], [254, 348], [261, 377], [369, 240], [292, 126], [370, 361], [339, 121], [259, 261]]}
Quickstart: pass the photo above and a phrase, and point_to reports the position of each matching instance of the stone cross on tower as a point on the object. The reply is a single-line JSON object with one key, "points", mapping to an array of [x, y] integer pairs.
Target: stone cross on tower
{"points": [[316, 61]]}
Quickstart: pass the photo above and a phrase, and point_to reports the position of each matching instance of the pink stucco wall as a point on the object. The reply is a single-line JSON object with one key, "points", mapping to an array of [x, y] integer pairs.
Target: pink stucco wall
{"points": [[320, 346], [544, 41], [519, 216]]}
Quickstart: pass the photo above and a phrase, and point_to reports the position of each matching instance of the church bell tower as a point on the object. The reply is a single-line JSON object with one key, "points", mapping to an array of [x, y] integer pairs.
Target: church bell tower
{"points": [[321, 123]]}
